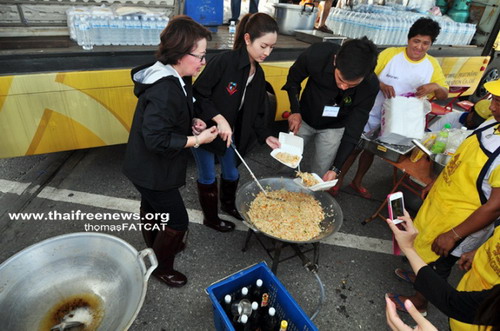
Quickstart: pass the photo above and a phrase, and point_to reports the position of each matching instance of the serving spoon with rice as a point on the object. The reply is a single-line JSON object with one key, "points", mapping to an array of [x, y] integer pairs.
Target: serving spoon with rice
{"points": [[253, 175]]}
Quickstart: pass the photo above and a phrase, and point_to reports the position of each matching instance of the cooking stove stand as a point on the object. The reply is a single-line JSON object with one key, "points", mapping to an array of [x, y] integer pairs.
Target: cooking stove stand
{"points": [[275, 252]]}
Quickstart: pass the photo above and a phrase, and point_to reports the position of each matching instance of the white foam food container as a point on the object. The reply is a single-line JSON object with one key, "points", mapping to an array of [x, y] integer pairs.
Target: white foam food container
{"points": [[321, 186], [290, 144]]}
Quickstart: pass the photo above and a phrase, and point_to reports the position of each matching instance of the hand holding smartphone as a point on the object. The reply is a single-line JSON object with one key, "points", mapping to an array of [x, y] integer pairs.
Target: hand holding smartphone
{"points": [[396, 207]]}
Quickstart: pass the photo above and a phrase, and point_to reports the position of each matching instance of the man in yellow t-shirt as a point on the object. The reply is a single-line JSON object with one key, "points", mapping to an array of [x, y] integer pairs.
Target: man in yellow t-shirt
{"points": [[400, 70]]}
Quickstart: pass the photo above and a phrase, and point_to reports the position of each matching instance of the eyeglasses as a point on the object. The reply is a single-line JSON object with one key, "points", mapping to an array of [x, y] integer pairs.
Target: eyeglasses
{"points": [[201, 57]]}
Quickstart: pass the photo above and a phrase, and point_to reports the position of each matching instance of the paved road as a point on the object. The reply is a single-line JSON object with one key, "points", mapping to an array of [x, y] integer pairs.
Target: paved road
{"points": [[355, 264]]}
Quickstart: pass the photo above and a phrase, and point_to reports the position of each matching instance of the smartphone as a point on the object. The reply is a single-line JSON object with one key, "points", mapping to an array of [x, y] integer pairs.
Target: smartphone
{"points": [[396, 206]]}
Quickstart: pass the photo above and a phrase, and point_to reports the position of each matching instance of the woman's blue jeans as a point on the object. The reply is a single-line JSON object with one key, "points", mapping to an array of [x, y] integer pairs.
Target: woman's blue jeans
{"points": [[205, 162]]}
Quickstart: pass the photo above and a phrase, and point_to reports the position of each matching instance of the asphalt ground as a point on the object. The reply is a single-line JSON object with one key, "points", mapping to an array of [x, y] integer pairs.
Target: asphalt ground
{"points": [[355, 264]]}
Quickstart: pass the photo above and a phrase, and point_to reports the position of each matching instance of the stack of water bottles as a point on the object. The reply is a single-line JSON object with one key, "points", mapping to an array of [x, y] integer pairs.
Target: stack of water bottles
{"points": [[101, 26], [389, 25]]}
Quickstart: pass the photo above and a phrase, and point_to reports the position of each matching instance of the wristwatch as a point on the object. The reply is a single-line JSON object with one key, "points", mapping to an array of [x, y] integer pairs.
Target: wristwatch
{"points": [[197, 143], [336, 170]]}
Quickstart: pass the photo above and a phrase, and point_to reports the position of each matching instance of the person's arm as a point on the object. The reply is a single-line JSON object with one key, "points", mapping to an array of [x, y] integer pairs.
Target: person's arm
{"points": [[437, 85], [459, 305], [160, 117], [440, 92], [203, 91], [479, 219], [206, 136], [296, 75]]}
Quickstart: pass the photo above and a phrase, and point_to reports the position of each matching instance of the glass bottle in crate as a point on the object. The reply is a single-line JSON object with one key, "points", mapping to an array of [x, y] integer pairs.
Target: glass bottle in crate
{"points": [[257, 290], [269, 321], [243, 324], [226, 305], [241, 305], [255, 317]]}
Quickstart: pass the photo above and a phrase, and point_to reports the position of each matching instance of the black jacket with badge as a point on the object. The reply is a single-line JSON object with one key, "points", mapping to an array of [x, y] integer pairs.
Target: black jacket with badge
{"points": [[316, 64], [156, 158], [219, 89]]}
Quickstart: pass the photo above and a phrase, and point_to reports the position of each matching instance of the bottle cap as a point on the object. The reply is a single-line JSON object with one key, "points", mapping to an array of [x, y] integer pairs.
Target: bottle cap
{"points": [[244, 290], [259, 282], [447, 126], [272, 311], [244, 319], [284, 324], [227, 298], [255, 305]]}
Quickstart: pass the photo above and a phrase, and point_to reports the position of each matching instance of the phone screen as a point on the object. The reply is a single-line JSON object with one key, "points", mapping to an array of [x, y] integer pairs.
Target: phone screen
{"points": [[397, 208]]}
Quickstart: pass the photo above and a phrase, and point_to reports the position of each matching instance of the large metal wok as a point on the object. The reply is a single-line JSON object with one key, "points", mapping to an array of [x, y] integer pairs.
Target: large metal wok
{"points": [[248, 191], [76, 267]]}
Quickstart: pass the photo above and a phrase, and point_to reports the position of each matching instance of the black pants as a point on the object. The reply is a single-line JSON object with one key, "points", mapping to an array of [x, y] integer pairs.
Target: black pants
{"points": [[167, 203]]}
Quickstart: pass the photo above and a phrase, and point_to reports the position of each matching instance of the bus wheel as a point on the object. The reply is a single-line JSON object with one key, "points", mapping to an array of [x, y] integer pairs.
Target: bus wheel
{"points": [[492, 74]]}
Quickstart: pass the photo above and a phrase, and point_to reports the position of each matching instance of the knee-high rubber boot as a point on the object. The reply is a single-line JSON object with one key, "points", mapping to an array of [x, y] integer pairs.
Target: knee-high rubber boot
{"points": [[150, 235], [149, 222], [228, 196], [166, 246], [208, 201]]}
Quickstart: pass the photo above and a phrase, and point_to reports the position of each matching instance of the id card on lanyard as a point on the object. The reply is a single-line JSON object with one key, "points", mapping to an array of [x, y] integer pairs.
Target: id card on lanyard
{"points": [[331, 111], [332, 108]]}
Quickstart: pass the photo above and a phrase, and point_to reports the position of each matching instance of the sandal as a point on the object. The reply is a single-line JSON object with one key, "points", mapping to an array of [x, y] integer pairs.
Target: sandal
{"points": [[400, 305], [407, 276], [324, 29], [361, 191]]}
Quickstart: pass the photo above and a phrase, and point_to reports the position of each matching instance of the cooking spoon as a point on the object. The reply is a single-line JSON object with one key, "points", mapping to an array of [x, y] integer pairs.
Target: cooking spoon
{"points": [[253, 176]]}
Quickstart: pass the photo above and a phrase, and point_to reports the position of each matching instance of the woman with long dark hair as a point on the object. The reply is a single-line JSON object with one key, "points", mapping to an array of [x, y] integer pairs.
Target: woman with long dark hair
{"points": [[231, 91]]}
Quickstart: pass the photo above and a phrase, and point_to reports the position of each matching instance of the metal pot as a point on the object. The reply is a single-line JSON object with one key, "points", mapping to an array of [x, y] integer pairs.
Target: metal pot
{"points": [[333, 213], [437, 163], [295, 17], [35, 281]]}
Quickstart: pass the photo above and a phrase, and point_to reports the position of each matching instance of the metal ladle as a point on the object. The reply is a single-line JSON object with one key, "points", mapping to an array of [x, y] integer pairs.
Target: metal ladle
{"points": [[253, 175]]}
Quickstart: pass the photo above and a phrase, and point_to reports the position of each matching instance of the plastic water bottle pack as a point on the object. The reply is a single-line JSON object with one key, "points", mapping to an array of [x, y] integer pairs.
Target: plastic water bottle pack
{"points": [[389, 25], [102, 26]]}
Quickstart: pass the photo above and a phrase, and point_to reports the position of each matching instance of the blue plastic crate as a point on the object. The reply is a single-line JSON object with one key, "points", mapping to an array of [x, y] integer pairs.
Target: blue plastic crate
{"points": [[279, 298], [205, 12]]}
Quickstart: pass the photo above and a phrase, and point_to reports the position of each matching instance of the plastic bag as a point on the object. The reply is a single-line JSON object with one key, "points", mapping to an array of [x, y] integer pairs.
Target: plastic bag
{"points": [[403, 119]]}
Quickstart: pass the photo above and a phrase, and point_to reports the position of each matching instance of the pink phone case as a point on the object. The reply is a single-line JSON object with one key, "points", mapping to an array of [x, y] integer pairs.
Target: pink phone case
{"points": [[395, 246]]}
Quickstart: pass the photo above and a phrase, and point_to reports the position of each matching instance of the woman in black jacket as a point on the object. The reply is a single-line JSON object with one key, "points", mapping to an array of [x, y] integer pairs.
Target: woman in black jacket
{"points": [[157, 150], [231, 91]]}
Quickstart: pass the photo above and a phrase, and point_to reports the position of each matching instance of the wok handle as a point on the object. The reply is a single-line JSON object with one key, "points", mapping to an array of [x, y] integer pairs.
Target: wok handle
{"points": [[152, 260]]}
